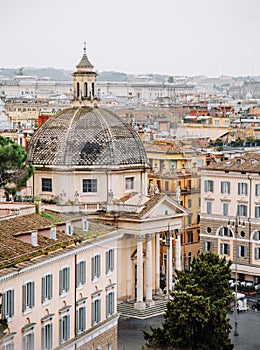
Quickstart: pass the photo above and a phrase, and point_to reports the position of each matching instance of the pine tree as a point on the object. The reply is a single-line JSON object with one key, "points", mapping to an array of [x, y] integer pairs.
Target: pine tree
{"points": [[196, 315], [14, 169]]}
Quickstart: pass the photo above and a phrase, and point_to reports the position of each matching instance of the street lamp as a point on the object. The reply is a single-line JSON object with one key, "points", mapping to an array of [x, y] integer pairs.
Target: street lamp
{"points": [[235, 225]]}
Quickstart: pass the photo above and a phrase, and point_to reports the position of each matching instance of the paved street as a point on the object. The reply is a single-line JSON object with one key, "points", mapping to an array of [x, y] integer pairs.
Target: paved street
{"points": [[131, 336]]}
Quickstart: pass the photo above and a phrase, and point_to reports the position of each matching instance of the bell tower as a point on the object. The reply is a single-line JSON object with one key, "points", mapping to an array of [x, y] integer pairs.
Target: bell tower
{"points": [[84, 81]]}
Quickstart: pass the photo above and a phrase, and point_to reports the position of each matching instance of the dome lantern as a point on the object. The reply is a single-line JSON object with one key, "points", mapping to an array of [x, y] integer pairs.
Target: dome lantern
{"points": [[84, 83]]}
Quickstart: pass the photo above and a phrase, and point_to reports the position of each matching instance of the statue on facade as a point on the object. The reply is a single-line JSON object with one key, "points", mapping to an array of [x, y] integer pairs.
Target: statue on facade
{"points": [[178, 193], [157, 191], [76, 198], [151, 188], [110, 197]]}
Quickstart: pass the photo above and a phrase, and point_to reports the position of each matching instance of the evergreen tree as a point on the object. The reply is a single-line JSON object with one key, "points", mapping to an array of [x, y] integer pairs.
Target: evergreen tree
{"points": [[196, 315], [14, 169]]}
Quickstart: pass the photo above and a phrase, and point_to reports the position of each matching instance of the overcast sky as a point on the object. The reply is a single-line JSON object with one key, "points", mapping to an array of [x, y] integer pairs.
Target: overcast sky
{"points": [[174, 37]]}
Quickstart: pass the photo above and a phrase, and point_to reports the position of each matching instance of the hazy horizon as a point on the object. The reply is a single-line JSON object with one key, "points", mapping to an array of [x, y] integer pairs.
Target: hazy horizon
{"points": [[171, 37]]}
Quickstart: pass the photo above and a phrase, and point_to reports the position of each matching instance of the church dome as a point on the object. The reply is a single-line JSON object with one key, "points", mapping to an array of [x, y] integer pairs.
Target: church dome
{"points": [[86, 136]]}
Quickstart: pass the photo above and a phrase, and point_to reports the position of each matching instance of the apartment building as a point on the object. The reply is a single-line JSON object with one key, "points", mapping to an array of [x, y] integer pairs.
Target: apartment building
{"points": [[230, 213], [58, 278]]}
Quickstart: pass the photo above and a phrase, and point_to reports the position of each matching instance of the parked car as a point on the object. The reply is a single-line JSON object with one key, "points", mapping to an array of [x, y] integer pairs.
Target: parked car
{"points": [[256, 305]]}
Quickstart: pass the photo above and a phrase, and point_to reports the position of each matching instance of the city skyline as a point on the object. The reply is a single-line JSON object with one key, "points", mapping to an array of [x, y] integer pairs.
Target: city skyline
{"points": [[171, 37]]}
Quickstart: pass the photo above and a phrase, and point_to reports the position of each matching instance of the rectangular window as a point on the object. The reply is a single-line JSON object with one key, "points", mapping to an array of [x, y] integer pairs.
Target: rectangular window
{"points": [[257, 253], [81, 319], [8, 304], [242, 210], [129, 183], [46, 185], [47, 337], [257, 190], [242, 251], [64, 328], [96, 311], [225, 187], [225, 208], [89, 185], [207, 246], [110, 304], [85, 224], [257, 212], [189, 203], [209, 186], [189, 219], [242, 188], [166, 186], [28, 296], [95, 266], [64, 280], [190, 237], [28, 341], [81, 273], [110, 260], [209, 207], [46, 288], [224, 249]]}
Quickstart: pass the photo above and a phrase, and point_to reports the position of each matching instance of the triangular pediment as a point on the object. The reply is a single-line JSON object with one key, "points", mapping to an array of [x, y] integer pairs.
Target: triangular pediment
{"points": [[162, 206]]}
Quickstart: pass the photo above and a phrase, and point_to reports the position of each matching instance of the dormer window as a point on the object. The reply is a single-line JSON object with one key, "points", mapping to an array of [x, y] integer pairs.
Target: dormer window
{"points": [[238, 160], [69, 229], [53, 233], [85, 225], [34, 239]]}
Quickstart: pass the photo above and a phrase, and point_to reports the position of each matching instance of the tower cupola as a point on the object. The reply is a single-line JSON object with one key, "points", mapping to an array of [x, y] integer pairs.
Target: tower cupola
{"points": [[84, 83]]}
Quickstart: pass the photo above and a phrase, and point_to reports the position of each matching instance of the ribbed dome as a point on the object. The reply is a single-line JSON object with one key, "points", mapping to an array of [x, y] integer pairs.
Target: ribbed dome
{"points": [[86, 136]]}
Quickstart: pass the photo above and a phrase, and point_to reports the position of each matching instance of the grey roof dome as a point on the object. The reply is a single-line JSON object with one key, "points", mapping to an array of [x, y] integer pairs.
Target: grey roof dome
{"points": [[86, 136]]}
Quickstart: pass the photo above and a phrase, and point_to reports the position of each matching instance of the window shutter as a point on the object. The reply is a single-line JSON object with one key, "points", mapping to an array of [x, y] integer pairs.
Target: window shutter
{"points": [[99, 310], [77, 275], [245, 252], [222, 187], [107, 261], [221, 248], [113, 260], [113, 302], [60, 277], [32, 294], [92, 269], [228, 249], [93, 312], [4, 306], [68, 279], [84, 272], [256, 253], [43, 289], [98, 267], [24, 297], [84, 317], [107, 305], [68, 327], [77, 321], [43, 338], [51, 284], [51, 335], [238, 251]]}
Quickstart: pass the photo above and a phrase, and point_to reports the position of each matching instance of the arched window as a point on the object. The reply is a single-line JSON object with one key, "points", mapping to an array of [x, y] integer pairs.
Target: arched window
{"points": [[225, 231], [85, 90], [78, 90]]}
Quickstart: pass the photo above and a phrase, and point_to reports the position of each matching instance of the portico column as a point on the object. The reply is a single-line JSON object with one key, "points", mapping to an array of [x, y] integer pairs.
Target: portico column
{"points": [[157, 263], [140, 275], [129, 274], [149, 270], [178, 250]]}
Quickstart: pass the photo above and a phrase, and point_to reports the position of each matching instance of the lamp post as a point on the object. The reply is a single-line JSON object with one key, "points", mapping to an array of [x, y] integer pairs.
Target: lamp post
{"points": [[235, 224]]}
